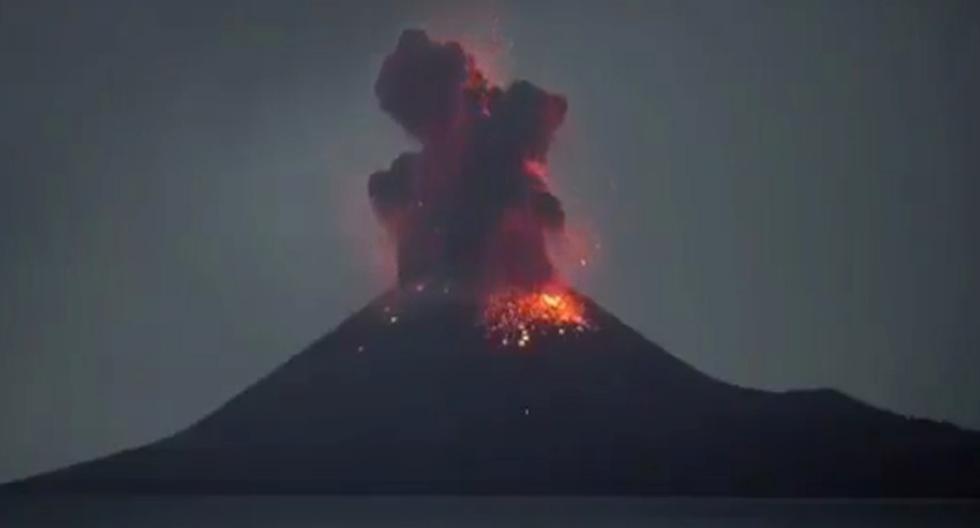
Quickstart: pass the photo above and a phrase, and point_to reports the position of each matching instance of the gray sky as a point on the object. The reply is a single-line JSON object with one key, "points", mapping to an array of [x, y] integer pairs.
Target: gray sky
{"points": [[784, 193]]}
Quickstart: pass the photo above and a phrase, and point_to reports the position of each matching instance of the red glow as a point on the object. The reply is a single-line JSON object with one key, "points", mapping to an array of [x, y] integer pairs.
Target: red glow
{"points": [[513, 318], [535, 168]]}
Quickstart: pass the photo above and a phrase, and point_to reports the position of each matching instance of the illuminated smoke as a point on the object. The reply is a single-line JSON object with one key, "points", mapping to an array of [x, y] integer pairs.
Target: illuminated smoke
{"points": [[472, 205]]}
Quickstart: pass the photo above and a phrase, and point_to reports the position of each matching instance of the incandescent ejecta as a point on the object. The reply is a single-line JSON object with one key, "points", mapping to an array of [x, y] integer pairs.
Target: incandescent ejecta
{"points": [[415, 394]]}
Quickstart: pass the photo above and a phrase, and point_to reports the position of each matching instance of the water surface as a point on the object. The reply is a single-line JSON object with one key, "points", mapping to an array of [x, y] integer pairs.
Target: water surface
{"points": [[315, 511]]}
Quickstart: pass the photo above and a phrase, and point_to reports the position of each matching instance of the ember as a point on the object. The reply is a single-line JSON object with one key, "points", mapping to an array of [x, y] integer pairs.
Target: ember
{"points": [[514, 317]]}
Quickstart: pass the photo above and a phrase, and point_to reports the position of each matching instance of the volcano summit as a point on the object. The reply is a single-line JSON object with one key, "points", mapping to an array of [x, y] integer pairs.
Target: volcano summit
{"points": [[409, 396], [482, 372]]}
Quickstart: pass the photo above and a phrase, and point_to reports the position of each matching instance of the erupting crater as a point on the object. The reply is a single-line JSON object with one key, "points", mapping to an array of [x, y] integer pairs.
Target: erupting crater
{"points": [[410, 395], [514, 317]]}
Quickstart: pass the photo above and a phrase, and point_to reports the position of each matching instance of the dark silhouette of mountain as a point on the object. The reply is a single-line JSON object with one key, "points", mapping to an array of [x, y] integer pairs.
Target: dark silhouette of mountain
{"points": [[427, 404]]}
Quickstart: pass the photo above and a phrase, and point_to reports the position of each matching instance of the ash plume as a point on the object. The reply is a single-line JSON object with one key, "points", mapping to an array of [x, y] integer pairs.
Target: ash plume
{"points": [[472, 205]]}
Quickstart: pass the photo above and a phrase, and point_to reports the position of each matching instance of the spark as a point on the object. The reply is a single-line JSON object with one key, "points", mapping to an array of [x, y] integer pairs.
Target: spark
{"points": [[516, 317], [393, 319]]}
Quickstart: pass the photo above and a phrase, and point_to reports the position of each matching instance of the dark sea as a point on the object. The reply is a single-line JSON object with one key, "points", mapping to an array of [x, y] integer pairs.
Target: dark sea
{"points": [[317, 511]]}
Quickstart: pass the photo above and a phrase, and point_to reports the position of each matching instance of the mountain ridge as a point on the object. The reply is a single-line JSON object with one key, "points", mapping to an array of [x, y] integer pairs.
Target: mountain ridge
{"points": [[411, 395]]}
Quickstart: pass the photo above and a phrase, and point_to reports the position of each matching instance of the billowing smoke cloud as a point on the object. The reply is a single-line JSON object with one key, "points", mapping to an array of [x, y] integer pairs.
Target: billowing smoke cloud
{"points": [[472, 205]]}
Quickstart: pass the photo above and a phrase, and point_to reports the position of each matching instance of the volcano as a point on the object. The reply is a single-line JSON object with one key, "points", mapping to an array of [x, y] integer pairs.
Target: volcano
{"points": [[410, 396], [483, 372]]}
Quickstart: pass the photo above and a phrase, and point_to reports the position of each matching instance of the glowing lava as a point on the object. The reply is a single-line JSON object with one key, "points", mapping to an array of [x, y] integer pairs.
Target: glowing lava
{"points": [[512, 318]]}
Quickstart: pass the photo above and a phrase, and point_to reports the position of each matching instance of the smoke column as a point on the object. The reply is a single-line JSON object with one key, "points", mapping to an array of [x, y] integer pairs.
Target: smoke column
{"points": [[472, 206]]}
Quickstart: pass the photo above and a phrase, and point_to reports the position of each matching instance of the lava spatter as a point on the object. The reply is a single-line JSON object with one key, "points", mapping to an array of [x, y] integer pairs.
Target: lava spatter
{"points": [[516, 317]]}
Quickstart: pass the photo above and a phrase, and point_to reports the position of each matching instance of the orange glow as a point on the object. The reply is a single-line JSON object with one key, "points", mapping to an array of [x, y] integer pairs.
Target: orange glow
{"points": [[551, 300], [514, 318]]}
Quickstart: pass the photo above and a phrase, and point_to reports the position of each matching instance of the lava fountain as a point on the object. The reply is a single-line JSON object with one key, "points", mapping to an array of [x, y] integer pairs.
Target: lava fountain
{"points": [[472, 207]]}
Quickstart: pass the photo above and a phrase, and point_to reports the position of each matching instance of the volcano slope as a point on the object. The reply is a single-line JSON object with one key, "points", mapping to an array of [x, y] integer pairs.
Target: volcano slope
{"points": [[410, 396]]}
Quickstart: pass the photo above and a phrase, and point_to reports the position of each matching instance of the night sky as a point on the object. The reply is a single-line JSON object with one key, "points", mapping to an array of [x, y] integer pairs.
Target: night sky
{"points": [[784, 193]]}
